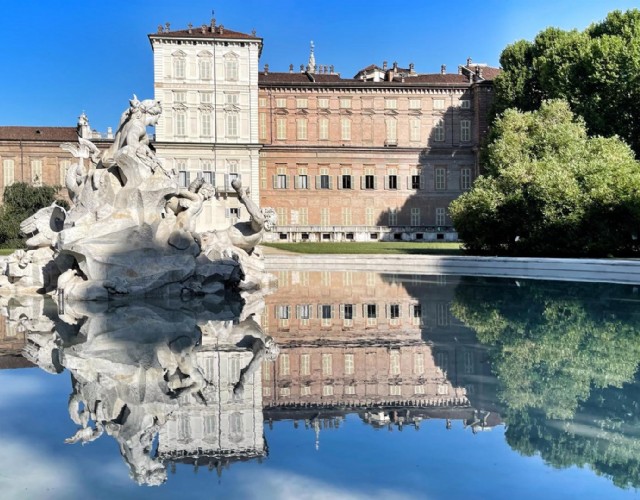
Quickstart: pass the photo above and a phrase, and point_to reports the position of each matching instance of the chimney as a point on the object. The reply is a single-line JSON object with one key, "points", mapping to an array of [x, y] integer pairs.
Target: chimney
{"points": [[331, 69], [443, 69], [384, 65], [468, 61], [221, 29], [395, 67], [159, 28], [459, 69], [213, 23], [290, 68], [203, 29], [302, 68], [411, 68], [190, 26], [266, 69]]}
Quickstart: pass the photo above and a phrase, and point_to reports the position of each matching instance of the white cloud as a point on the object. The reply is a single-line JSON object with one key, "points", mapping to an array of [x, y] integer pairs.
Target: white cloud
{"points": [[19, 387], [25, 474], [270, 483]]}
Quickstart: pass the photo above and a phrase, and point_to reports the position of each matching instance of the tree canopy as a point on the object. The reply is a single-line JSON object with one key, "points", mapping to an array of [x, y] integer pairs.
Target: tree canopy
{"points": [[21, 200], [597, 71], [551, 190]]}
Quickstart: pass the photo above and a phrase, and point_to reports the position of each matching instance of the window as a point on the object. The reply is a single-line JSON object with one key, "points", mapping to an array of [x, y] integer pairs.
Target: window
{"points": [[468, 362], [345, 129], [465, 130], [281, 102], [418, 363], [205, 68], [391, 104], [323, 181], [262, 126], [347, 311], [282, 312], [323, 129], [394, 362], [232, 124], [231, 99], [36, 172], [302, 103], [345, 181], [415, 103], [64, 166], [205, 98], [350, 390], [282, 216], [323, 103], [301, 129], [393, 216], [305, 364], [394, 311], [207, 174], [418, 389], [368, 216], [327, 390], [345, 103], [327, 364], [415, 216], [415, 182], [179, 66], [324, 216], [262, 102], [369, 179], [371, 311], [231, 68], [305, 390], [183, 178], [346, 216], [440, 216], [465, 103], [285, 391], [180, 96], [181, 123], [284, 364], [442, 314], [392, 181], [281, 128], [438, 104], [205, 124], [395, 390], [304, 311], [392, 131], [440, 177], [348, 364], [325, 311], [302, 181], [414, 129], [234, 213], [438, 131], [8, 172], [465, 178]]}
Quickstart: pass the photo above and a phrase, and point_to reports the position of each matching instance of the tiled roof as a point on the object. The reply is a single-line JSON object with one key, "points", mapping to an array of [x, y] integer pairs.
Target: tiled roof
{"points": [[302, 79], [488, 72], [197, 32], [38, 134]]}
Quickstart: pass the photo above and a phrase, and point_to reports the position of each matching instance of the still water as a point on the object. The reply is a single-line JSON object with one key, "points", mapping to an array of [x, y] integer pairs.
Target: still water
{"points": [[335, 385]]}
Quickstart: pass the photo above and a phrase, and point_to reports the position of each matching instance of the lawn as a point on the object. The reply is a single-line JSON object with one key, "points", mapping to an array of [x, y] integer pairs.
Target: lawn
{"points": [[7, 251], [386, 247]]}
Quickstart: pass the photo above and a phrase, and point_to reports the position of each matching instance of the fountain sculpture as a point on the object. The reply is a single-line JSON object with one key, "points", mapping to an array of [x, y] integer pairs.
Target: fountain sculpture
{"points": [[131, 229]]}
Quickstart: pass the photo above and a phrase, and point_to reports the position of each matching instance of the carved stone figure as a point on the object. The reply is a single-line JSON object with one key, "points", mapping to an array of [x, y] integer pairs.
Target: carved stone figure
{"points": [[132, 229]]}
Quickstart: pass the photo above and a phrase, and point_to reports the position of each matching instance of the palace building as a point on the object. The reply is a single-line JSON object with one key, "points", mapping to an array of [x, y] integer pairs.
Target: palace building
{"points": [[379, 156]]}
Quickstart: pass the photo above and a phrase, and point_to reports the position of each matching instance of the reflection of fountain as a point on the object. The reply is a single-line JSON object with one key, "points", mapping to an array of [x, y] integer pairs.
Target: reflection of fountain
{"points": [[164, 370]]}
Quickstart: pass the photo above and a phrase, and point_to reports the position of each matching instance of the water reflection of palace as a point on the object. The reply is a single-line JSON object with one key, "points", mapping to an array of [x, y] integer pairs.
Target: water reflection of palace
{"points": [[365, 340]]}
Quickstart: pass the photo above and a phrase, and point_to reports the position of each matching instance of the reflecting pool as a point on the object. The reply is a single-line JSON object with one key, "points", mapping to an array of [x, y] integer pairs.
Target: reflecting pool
{"points": [[334, 385]]}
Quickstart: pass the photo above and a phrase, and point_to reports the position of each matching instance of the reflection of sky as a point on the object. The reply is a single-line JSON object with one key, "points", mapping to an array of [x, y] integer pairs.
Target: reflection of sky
{"points": [[355, 461]]}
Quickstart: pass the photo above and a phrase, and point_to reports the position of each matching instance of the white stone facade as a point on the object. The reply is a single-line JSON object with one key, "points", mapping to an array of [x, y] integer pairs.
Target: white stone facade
{"points": [[207, 81]]}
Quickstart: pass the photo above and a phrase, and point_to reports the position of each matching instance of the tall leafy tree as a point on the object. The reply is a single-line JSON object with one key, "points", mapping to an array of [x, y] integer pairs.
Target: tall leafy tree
{"points": [[551, 190], [596, 71]]}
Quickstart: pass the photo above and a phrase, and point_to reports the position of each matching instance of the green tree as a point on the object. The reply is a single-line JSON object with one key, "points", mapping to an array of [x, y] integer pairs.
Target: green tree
{"points": [[21, 200], [551, 190], [596, 71]]}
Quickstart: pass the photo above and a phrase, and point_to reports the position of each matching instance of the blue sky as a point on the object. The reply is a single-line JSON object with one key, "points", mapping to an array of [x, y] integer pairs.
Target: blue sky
{"points": [[62, 57]]}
